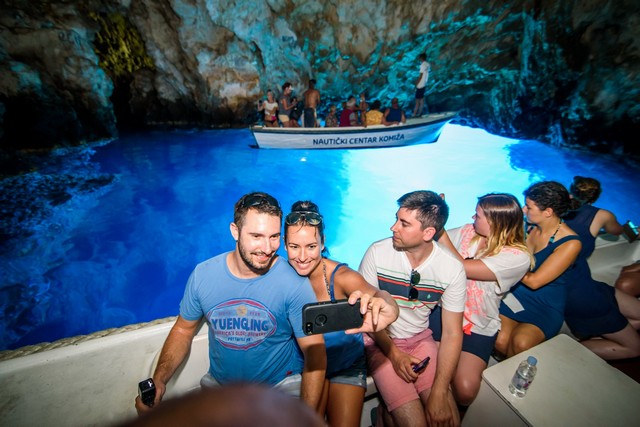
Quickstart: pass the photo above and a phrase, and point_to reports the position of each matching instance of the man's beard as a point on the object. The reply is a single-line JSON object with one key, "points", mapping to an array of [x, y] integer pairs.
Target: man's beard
{"points": [[255, 267]]}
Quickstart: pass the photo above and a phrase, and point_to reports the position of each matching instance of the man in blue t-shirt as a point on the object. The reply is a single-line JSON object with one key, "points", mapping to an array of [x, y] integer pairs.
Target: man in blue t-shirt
{"points": [[252, 302]]}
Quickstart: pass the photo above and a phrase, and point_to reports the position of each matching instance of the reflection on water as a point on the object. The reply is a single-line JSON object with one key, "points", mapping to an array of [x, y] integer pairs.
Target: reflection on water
{"points": [[123, 254]]}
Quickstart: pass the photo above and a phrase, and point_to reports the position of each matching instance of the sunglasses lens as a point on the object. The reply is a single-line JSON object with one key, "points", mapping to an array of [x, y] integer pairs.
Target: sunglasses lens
{"points": [[259, 199], [413, 293], [415, 277], [312, 218]]}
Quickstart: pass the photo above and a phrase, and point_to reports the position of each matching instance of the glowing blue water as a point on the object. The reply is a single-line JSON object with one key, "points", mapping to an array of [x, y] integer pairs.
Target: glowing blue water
{"points": [[123, 254]]}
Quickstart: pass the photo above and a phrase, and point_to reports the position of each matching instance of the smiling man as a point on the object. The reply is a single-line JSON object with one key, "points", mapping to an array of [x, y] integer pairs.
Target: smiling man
{"points": [[252, 302], [418, 274]]}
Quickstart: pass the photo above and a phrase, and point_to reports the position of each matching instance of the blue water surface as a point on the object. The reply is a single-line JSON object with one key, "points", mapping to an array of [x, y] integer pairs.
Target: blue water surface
{"points": [[122, 254]]}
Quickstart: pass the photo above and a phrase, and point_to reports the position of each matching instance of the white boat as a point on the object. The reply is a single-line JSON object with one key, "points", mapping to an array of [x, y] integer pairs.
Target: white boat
{"points": [[92, 380], [422, 130]]}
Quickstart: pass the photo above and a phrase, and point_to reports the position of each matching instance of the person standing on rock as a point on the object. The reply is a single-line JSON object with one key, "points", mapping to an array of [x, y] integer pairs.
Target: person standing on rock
{"points": [[421, 84]]}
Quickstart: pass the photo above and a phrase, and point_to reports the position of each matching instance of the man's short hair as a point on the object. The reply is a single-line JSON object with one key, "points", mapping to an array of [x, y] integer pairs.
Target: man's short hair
{"points": [[312, 82], [261, 202], [422, 56], [433, 211]]}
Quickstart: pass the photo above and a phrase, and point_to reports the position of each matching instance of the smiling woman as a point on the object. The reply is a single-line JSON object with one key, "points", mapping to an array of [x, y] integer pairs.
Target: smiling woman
{"points": [[346, 379]]}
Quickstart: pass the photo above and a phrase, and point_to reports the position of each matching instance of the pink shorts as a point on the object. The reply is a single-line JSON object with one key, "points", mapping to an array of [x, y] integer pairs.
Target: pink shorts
{"points": [[394, 390]]}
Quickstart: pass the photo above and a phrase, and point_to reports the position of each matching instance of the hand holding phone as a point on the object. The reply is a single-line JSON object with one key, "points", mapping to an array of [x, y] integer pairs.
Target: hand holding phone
{"points": [[420, 366], [331, 316], [147, 391]]}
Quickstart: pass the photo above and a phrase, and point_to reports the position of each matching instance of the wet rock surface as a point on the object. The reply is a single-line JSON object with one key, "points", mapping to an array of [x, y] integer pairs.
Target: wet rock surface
{"points": [[562, 72]]}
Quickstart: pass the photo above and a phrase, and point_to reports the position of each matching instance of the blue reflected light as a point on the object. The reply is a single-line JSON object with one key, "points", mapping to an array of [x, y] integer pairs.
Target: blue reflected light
{"points": [[122, 255]]}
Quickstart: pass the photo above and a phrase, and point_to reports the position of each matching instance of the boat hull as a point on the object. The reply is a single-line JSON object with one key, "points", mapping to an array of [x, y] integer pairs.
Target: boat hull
{"points": [[424, 130]]}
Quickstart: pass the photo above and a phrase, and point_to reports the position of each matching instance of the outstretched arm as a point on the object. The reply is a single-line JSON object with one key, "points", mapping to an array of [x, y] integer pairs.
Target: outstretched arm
{"points": [[378, 306], [175, 349]]}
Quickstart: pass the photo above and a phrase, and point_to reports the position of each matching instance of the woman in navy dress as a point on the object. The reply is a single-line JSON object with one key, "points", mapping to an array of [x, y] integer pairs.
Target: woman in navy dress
{"points": [[534, 309], [598, 314]]}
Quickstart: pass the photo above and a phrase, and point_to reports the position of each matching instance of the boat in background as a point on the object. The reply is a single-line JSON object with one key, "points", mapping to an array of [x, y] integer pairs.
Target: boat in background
{"points": [[92, 380], [422, 130]]}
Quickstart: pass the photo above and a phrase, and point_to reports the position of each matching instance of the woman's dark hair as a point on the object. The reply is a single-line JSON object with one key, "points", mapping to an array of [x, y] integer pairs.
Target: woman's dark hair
{"points": [[550, 194], [376, 105], [305, 206], [584, 191]]}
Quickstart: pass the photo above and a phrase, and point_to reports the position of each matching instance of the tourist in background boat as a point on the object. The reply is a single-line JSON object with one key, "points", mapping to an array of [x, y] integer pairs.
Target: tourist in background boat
{"points": [[311, 101], [421, 84], [534, 309], [343, 394], [602, 317], [285, 106], [349, 115], [418, 273], [270, 108], [495, 257], [393, 115], [374, 115], [252, 301], [331, 121]]}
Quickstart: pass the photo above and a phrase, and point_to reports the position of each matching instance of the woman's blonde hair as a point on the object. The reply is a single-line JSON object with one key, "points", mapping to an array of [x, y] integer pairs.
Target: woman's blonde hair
{"points": [[506, 224]]}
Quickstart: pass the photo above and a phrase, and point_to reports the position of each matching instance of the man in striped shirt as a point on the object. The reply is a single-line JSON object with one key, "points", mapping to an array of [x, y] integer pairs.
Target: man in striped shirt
{"points": [[418, 274]]}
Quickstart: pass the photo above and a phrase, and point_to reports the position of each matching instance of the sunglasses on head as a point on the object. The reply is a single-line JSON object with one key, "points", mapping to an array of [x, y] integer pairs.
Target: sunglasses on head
{"points": [[260, 199], [312, 218], [414, 280]]}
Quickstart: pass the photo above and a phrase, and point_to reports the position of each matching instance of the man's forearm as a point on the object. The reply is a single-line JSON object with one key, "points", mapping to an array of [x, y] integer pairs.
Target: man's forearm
{"points": [[174, 351], [448, 356], [384, 341]]}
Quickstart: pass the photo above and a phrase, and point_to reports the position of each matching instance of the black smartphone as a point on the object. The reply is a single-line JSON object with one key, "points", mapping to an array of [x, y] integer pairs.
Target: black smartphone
{"points": [[147, 391], [420, 366], [330, 316]]}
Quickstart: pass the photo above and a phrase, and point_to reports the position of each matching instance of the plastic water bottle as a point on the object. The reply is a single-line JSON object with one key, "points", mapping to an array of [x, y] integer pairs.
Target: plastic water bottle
{"points": [[523, 377]]}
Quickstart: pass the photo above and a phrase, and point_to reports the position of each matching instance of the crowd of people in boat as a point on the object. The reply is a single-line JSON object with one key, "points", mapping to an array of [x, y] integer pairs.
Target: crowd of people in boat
{"points": [[289, 111], [437, 303]]}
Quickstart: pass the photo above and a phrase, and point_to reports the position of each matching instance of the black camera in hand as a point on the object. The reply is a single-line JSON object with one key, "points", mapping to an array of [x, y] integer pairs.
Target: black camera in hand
{"points": [[147, 391]]}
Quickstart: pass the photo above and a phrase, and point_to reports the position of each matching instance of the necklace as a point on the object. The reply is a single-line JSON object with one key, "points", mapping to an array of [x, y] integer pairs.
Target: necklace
{"points": [[553, 237], [324, 274]]}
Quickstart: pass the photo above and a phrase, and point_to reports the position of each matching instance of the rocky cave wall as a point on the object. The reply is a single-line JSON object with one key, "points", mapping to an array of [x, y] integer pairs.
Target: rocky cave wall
{"points": [[563, 72]]}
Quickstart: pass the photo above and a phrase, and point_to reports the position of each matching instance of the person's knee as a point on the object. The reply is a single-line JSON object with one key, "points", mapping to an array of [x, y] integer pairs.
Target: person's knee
{"points": [[502, 342], [465, 390], [523, 342], [628, 284]]}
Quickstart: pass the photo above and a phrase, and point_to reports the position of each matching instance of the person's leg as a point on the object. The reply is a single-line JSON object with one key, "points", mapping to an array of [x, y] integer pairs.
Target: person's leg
{"points": [[324, 399], [410, 414], [629, 280], [623, 344], [523, 337], [466, 382], [345, 405], [629, 307], [504, 335]]}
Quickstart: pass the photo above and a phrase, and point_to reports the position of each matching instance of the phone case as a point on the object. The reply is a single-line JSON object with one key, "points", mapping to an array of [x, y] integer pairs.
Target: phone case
{"points": [[330, 316]]}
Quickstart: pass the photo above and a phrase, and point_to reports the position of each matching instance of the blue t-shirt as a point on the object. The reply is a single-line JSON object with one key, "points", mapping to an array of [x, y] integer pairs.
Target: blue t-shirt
{"points": [[253, 322]]}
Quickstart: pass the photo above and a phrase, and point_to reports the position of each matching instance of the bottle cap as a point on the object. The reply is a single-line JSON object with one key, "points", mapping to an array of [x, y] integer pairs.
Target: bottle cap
{"points": [[532, 360]]}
